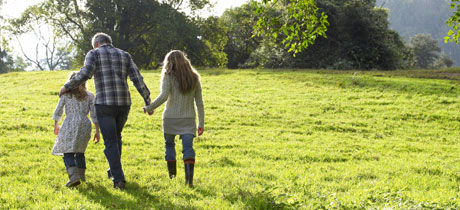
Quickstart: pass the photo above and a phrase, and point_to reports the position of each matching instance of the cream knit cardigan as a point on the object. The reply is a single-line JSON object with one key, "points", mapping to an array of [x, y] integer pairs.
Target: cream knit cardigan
{"points": [[179, 105]]}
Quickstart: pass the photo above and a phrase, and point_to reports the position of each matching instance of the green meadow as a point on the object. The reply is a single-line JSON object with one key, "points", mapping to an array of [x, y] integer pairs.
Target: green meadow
{"points": [[274, 139]]}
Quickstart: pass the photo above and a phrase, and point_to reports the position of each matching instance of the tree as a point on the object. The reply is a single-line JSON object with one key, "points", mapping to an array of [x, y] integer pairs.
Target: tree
{"points": [[300, 23], [443, 61], [425, 50], [410, 17], [213, 35], [147, 29], [56, 53], [3, 47], [66, 17], [240, 23], [358, 37], [193, 5]]}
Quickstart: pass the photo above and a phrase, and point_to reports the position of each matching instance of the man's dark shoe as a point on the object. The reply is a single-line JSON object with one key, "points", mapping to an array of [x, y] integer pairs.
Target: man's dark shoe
{"points": [[119, 185], [109, 173]]}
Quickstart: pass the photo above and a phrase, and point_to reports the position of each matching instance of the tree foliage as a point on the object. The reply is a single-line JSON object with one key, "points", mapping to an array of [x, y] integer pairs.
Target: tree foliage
{"points": [[7, 62], [214, 39], [425, 50], [300, 23], [147, 29], [358, 37], [241, 43], [410, 17], [454, 22]]}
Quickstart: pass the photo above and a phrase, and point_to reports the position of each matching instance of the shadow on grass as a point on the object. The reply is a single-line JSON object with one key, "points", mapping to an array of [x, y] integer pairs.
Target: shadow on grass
{"points": [[139, 197], [257, 200], [263, 199]]}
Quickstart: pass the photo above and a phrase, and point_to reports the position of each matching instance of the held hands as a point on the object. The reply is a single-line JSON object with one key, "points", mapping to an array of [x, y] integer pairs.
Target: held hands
{"points": [[150, 113], [200, 131]]}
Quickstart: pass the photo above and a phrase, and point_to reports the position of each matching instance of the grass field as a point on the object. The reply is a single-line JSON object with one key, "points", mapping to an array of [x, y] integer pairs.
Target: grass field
{"points": [[291, 139]]}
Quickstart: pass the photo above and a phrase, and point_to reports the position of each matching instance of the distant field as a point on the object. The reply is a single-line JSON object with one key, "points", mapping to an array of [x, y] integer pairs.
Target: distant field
{"points": [[284, 139]]}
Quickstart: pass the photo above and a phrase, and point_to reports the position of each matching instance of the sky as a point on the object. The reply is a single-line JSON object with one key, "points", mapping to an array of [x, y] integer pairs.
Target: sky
{"points": [[14, 8]]}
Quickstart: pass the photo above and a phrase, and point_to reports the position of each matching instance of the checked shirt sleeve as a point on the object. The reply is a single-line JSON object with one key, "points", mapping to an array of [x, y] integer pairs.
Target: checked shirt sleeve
{"points": [[138, 81], [85, 73]]}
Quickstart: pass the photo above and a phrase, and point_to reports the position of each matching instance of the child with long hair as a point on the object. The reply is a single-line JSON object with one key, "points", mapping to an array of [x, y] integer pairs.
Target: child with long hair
{"points": [[75, 133], [181, 90]]}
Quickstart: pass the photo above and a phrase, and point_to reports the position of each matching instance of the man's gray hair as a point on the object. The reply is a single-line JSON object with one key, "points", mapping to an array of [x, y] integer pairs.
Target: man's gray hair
{"points": [[101, 38]]}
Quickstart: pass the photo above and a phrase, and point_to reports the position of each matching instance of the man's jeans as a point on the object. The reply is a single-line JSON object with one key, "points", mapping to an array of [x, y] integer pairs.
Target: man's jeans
{"points": [[74, 159], [111, 120], [187, 147]]}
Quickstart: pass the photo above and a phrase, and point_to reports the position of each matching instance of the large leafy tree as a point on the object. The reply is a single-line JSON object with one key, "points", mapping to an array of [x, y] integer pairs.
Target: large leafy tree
{"points": [[145, 28], [358, 37], [241, 43], [213, 34]]}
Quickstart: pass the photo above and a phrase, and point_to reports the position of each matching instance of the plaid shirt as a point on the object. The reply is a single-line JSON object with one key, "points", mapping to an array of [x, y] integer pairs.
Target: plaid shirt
{"points": [[111, 67]]}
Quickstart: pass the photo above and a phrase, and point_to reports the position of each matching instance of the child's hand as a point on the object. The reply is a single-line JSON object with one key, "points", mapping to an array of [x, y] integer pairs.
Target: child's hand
{"points": [[97, 137], [200, 131], [57, 128], [150, 113]]}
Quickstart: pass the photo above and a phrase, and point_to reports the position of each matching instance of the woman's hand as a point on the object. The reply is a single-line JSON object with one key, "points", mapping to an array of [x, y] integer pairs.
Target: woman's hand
{"points": [[200, 131]]}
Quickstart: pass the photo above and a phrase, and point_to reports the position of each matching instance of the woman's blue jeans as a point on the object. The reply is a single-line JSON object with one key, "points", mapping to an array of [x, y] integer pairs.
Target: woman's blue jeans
{"points": [[74, 159], [187, 147]]}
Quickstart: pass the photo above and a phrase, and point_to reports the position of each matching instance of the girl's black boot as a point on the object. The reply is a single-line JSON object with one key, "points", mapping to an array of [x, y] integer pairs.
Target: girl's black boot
{"points": [[172, 169], [189, 174]]}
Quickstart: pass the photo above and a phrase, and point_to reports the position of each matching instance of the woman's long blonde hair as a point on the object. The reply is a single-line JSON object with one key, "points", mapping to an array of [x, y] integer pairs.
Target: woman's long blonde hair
{"points": [[177, 64], [80, 91]]}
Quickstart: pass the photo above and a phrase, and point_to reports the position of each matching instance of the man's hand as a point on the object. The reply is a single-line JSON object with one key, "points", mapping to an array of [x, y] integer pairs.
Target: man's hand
{"points": [[200, 131], [97, 137], [63, 90], [150, 113]]}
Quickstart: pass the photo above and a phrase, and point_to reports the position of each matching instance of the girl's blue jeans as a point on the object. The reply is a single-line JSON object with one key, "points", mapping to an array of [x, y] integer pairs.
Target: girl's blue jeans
{"points": [[187, 147], [74, 159]]}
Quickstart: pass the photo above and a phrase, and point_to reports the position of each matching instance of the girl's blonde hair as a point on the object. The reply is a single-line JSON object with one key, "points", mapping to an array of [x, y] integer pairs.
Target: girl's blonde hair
{"points": [[80, 91], [177, 64]]}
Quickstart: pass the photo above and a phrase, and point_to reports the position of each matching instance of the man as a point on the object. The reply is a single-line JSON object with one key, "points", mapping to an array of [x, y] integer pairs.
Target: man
{"points": [[110, 67]]}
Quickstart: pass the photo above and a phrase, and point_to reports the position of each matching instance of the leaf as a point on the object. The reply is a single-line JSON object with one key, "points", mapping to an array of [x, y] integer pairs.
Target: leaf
{"points": [[285, 31]]}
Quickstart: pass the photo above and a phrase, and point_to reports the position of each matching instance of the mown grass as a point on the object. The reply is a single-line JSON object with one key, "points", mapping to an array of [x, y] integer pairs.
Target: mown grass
{"points": [[290, 139]]}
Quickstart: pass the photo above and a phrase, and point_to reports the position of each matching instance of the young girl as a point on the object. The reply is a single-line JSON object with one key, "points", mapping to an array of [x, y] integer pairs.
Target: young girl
{"points": [[72, 139], [181, 89]]}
